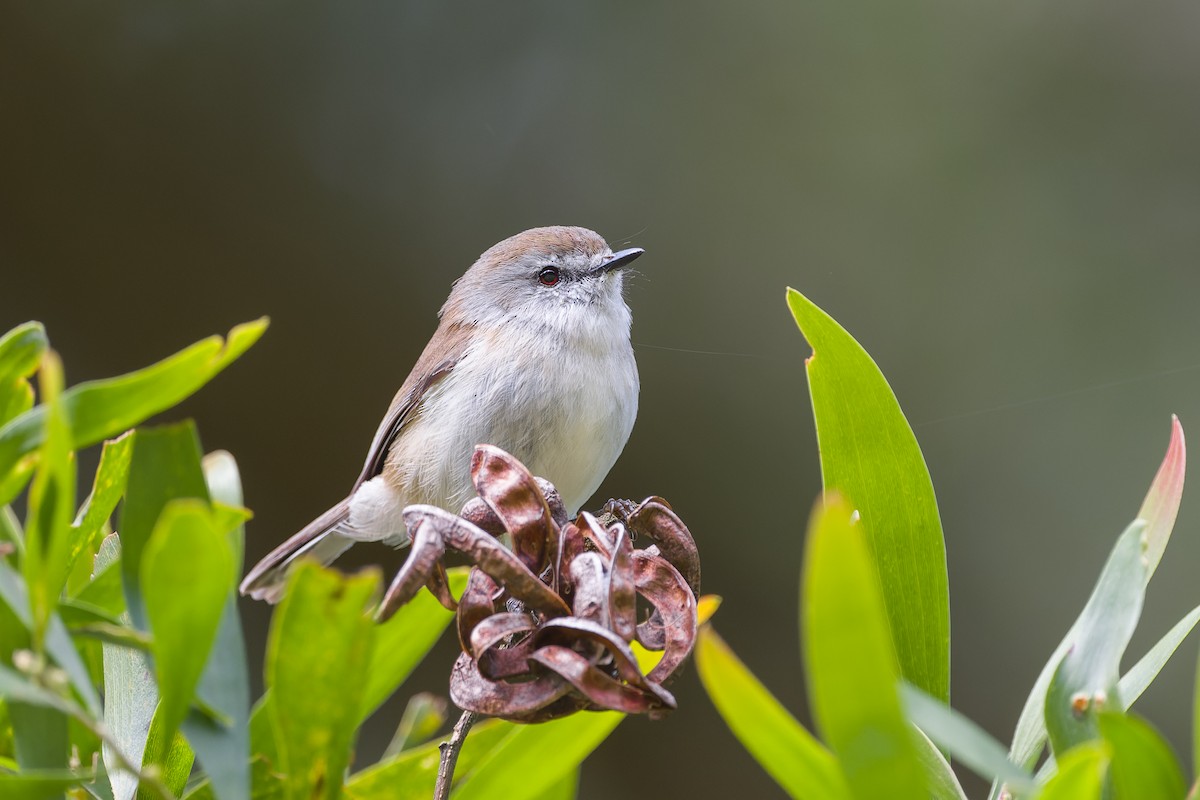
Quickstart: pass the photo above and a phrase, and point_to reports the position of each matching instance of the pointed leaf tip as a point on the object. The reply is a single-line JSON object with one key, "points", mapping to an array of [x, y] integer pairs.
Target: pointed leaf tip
{"points": [[1161, 505]]}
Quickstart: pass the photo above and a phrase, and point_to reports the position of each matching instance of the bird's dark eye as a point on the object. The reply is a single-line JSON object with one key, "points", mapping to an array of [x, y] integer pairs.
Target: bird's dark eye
{"points": [[548, 276]]}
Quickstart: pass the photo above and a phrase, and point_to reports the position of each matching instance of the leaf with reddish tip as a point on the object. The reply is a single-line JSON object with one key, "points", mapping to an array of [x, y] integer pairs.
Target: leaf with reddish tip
{"points": [[662, 585], [511, 492], [601, 689], [655, 520], [1161, 505]]}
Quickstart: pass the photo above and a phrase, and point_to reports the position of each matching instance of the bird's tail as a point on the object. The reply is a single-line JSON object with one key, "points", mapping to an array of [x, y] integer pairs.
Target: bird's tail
{"points": [[318, 540]]}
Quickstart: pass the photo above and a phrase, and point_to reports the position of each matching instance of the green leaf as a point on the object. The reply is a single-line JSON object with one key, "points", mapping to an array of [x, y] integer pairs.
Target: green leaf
{"points": [[1159, 510], [566, 788], [1142, 674], [785, 749], [1085, 682], [20, 351], [40, 784], [318, 652], [850, 663], [410, 775], [187, 575], [173, 756], [402, 641], [101, 409], [58, 642], [224, 750], [130, 695], [107, 489], [1080, 774], [1143, 766], [40, 738], [870, 455], [963, 739], [165, 466], [51, 503], [943, 783], [423, 717], [536, 757]]}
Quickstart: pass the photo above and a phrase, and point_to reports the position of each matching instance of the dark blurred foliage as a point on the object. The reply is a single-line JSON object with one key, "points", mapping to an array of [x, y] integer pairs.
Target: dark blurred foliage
{"points": [[1000, 200]]}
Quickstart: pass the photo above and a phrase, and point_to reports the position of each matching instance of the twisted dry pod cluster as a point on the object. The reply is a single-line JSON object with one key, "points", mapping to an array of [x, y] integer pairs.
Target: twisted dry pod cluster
{"points": [[546, 626]]}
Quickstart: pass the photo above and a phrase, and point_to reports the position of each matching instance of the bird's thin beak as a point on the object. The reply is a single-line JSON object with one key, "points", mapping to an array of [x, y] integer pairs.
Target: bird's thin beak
{"points": [[621, 259]]}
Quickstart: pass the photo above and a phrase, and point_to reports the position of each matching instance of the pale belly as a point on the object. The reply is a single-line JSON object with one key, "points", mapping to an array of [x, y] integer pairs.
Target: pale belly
{"points": [[567, 423]]}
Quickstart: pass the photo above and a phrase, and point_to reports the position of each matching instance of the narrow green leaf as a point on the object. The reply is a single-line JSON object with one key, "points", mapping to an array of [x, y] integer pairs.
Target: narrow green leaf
{"points": [[1080, 774], [1142, 674], [963, 739], [1143, 766], [1159, 510], [785, 749], [51, 503], [101, 409], [165, 466], [565, 788], [402, 641], [40, 738], [423, 717], [850, 663], [107, 489], [318, 652], [187, 575], [943, 783], [40, 784], [410, 775], [535, 757], [1085, 682], [870, 455]]}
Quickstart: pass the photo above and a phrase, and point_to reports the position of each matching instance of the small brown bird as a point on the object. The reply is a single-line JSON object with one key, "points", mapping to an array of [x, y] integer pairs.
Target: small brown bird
{"points": [[532, 355]]}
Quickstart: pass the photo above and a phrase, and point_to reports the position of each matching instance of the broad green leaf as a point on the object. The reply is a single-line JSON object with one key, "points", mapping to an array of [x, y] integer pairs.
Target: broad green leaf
{"points": [[40, 784], [318, 653], [566, 788], [51, 503], [224, 750], [1158, 510], [870, 455], [535, 757], [187, 575], [410, 775], [1142, 674], [850, 663], [1085, 682], [785, 749], [402, 641], [165, 466], [963, 739], [1080, 774], [1143, 766], [943, 783], [100, 409]]}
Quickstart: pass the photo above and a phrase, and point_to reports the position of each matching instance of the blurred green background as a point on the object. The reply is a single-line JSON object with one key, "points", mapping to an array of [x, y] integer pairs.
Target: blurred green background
{"points": [[1000, 200]]}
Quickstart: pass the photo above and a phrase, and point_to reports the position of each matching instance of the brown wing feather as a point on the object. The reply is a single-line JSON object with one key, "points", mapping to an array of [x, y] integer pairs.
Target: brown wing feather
{"points": [[441, 354]]}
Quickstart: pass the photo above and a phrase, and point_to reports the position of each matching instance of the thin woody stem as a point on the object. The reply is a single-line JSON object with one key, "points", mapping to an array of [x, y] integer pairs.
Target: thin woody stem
{"points": [[450, 750]]}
